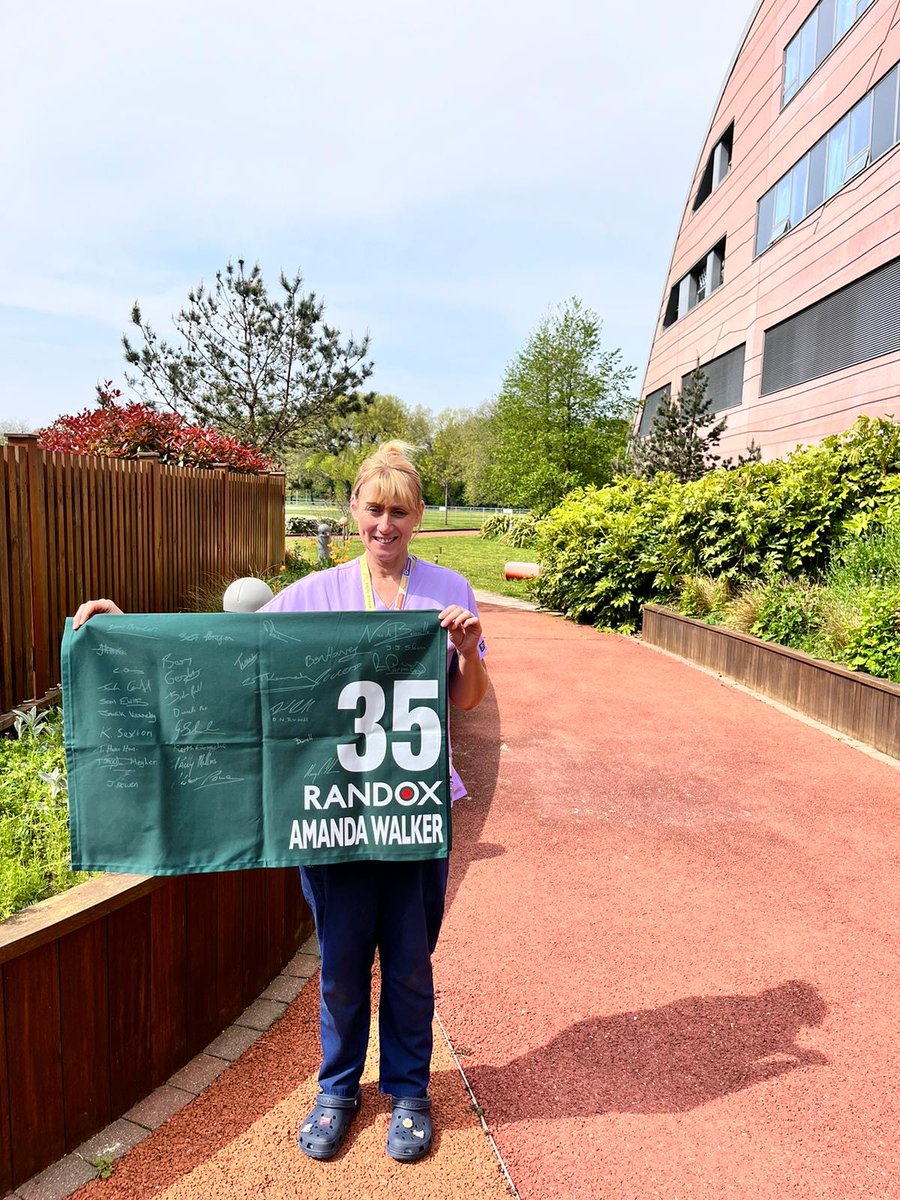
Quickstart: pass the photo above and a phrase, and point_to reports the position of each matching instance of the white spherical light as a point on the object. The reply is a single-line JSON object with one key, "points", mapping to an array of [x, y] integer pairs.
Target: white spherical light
{"points": [[246, 595]]}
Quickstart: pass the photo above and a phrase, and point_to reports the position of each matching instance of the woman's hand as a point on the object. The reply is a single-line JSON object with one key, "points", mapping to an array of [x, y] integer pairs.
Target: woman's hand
{"points": [[90, 608], [468, 676], [463, 627]]}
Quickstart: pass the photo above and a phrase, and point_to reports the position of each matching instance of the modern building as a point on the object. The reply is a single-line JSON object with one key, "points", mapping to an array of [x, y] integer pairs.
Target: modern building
{"points": [[784, 284]]}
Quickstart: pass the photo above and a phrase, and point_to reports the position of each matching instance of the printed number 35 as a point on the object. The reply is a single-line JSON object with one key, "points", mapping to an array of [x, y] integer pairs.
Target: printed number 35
{"points": [[374, 746]]}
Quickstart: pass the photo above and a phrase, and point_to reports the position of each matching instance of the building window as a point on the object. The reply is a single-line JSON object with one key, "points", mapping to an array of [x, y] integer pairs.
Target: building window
{"points": [[703, 279], [717, 166], [856, 323], [815, 39], [651, 406], [869, 129], [725, 379]]}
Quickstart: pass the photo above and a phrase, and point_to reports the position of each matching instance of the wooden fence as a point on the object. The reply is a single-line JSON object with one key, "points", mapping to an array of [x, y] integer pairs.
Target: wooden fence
{"points": [[109, 989], [150, 537], [854, 703]]}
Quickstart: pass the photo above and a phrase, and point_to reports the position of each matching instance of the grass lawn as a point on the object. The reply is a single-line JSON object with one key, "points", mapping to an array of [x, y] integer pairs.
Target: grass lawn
{"points": [[481, 561]]}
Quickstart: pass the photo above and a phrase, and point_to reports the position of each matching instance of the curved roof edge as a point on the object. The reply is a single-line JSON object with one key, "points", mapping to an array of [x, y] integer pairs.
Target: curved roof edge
{"points": [[740, 46]]}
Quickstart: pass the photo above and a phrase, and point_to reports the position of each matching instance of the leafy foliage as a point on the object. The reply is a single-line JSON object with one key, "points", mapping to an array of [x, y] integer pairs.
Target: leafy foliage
{"points": [[849, 614], [515, 529], [309, 526], [561, 418], [873, 645], [606, 552], [34, 830], [269, 371], [352, 436], [123, 431]]}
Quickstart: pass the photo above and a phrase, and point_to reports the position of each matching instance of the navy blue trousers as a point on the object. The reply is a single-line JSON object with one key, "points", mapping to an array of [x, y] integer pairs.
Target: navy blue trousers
{"points": [[395, 908]]}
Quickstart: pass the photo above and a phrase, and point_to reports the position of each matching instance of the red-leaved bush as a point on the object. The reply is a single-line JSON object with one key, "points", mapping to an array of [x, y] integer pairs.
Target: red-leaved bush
{"points": [[123, 431]]}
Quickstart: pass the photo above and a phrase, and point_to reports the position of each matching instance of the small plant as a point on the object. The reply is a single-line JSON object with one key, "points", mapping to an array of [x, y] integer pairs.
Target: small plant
{"points": [[742, 611], [34, 816], [103, 1164], [704, 596], [31, 721], [790, 614]]}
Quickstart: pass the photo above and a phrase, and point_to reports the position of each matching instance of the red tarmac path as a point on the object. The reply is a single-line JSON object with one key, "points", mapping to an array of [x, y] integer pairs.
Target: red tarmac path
{"points": [[669, 965]]}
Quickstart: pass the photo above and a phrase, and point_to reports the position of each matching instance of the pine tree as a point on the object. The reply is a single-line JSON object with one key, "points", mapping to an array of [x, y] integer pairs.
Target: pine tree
{"points": [[269, 371], [683, 436]]}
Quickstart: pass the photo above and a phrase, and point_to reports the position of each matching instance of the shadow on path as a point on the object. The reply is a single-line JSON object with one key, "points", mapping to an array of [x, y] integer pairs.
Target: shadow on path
{"points": [[668, 1059], [476, 755]]}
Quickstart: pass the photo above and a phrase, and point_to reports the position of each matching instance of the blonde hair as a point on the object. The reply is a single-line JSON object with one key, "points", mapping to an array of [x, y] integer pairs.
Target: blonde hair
{"points": [[392, 475]]}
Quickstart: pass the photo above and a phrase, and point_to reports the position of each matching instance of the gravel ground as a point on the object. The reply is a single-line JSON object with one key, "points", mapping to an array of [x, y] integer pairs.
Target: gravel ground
{"points": [[237, 1139]]}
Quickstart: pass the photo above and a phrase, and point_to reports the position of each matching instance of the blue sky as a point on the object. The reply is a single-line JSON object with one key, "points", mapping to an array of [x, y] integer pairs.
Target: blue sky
{"points": [[439, 174]]}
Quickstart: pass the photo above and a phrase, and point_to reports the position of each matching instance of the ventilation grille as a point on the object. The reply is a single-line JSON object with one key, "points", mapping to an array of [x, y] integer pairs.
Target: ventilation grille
{"points": [[651, 404], [859, 322], [726, 379]]}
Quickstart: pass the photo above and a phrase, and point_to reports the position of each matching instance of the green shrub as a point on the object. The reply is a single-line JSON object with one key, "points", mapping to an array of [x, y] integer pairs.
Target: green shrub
{"points": [[791, 614], [34, 818], [496, 525], [309, 526], [521, 532], [604, 553], [861, 562], [873, 644], [704, 596]]}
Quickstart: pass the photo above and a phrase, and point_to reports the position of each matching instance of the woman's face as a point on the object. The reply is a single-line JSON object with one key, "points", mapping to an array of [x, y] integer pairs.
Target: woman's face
{"points": [[385, 529]]}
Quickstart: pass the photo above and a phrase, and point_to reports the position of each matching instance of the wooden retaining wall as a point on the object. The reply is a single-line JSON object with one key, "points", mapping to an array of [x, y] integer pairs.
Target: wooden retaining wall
{"points": [[854, 703], [150, 537], [108, 989]]}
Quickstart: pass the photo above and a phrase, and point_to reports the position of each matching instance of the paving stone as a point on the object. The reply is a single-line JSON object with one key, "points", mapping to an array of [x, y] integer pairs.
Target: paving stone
{"points": [[159, 1106], [261, 1014], [284, 988], [310, 946], [302, 965], [114, 1141], [58, 1181], [233, 1042], [199, 1073]]}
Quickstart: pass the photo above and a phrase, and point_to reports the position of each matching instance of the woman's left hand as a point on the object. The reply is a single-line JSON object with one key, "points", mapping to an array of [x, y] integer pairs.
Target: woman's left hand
{"points": [[463, 627]]}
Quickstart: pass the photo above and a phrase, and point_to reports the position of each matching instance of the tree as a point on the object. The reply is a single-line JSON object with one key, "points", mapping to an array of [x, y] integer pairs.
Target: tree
{"points": [[13, 427], [561, 418], [268, 371], [684, 435], [353, 436], [443, 465]]}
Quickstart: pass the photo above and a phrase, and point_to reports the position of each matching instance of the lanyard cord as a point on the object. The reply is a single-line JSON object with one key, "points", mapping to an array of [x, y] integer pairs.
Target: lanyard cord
{"points": [[369, 595]]}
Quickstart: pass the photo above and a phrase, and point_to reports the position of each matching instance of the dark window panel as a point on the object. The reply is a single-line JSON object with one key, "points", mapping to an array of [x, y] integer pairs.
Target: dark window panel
{"points": [[725, 379], [884, 114], [857, 323], [825, 35], [651, 404], [815, 182]]}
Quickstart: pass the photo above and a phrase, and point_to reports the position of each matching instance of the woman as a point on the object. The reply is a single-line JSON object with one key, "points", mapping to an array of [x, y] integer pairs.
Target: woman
{"points": [[395, 908]]}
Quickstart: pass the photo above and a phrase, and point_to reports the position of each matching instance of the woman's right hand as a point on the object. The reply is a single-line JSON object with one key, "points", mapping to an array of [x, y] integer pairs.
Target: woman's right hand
{"points": [[90, 608]]}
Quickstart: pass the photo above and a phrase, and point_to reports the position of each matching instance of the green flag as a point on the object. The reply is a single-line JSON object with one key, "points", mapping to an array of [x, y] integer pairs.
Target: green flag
{"points": [[198, 742]]}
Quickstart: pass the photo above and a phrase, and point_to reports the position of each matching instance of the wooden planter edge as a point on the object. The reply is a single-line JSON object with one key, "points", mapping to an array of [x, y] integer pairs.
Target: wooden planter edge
{"points": [[877, 726], [56, 916]]}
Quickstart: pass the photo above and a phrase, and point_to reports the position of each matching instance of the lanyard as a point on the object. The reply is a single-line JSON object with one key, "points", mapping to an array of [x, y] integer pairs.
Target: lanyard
{"points": [[368, 594]]}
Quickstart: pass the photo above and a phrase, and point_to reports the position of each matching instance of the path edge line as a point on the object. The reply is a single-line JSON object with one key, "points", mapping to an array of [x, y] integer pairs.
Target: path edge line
{"points": [[504, 1171]]}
